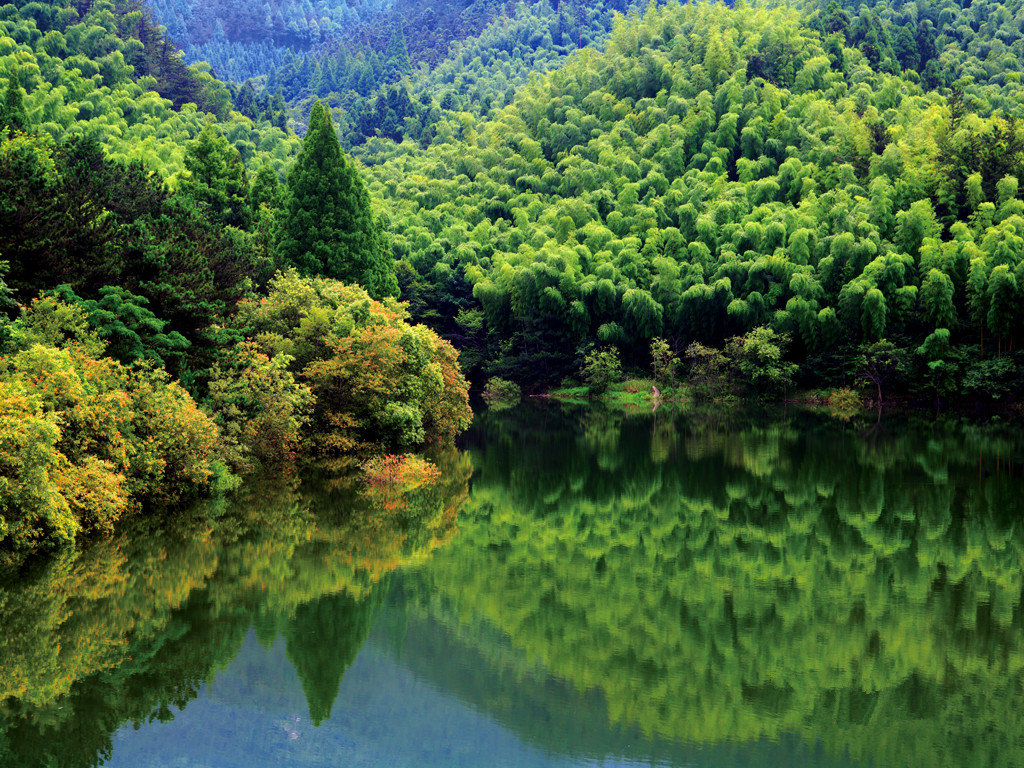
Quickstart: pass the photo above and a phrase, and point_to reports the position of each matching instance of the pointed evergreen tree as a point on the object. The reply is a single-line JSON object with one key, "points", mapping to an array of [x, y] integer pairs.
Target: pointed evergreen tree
{"points": [[328, 226], [396, 57], [266, 189], [216, 178], [13, 114]]}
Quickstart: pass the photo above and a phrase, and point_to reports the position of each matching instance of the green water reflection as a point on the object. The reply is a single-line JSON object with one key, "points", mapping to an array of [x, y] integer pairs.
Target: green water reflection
{"points": [[720, 582], [604, 586], [133, 627]]}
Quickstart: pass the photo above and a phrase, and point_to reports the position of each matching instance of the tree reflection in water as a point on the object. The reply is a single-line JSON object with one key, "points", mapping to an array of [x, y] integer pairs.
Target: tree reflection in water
{"points": [[707, 579]]}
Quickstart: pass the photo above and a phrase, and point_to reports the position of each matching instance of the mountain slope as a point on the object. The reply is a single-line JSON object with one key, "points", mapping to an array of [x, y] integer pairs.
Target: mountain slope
{"points": [[243, 40], [714, 171]]}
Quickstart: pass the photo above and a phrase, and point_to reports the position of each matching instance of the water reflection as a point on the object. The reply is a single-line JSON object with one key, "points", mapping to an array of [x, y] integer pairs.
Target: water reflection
{"points": [[619, 590], [134, 627], [723, 582]]}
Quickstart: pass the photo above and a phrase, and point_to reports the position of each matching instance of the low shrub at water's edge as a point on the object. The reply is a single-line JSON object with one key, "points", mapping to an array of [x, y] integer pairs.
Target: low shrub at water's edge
{"points": [[405, 471], [843, 404], [501, 393]]}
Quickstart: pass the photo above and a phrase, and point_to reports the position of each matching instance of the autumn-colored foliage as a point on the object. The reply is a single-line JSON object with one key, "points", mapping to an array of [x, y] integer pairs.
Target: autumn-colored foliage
{"points": [[379, 382], [86, 438], [83, 439], [395, 470]]}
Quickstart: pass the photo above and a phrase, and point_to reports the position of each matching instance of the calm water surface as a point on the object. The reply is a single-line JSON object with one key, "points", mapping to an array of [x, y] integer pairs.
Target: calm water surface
{"points": [[581, 589]]}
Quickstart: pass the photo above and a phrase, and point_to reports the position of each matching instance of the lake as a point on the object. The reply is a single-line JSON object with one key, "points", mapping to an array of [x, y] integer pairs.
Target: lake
{"points": [[581, 588]]}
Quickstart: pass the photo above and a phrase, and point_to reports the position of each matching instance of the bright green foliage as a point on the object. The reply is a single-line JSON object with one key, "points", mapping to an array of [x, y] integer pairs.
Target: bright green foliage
{"points": [[844, 404], [215, 178], [175, 458], [87, 439], [500, 393], [711, 172], [13, 114], [940, 365], [51, 322], [266, 190], [259, 406], [914, 225], [663, 362], [71, 215], [128, 329], [937, 299], [84, 441], [105, 70], [328, 226], [31, 506], [380, 383], [601, 368], [759, 356], [1004, 302], [709, 374], [144, 265]]}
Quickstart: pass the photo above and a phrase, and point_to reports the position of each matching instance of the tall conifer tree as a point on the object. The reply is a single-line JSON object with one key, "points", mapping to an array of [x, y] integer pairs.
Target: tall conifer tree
{"points": [[12, 107], [216, 177], [396, 57], [329, 228]]}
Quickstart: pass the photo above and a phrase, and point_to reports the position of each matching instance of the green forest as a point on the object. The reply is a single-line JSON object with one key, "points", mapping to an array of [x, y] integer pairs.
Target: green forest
{"points": [[201, 278]]}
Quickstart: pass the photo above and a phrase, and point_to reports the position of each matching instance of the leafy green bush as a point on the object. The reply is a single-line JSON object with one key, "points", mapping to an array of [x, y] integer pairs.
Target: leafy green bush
{"points": [[500, 393], [379, 382], [844, 403], [601, 368]]}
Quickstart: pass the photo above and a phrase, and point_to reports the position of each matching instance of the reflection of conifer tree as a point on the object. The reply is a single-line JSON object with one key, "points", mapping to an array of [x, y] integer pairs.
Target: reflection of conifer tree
{"points": [[323, 641]]}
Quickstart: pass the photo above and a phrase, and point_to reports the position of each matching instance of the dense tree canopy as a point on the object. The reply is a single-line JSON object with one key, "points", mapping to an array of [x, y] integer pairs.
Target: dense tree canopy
{"points": [[819, 195], [715, 171], [328, 226]]}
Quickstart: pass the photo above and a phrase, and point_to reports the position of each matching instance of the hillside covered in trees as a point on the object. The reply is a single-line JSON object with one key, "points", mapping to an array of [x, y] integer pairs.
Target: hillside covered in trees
{"points": [[812, 195], [715, 171], [156, 341], [243, 40]]}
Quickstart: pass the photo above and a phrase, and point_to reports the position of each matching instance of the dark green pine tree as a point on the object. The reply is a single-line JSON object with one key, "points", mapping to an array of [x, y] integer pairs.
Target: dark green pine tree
{"points": [[266, 189], [328, 227], [396, 57], [216, 178], [13, 114]]}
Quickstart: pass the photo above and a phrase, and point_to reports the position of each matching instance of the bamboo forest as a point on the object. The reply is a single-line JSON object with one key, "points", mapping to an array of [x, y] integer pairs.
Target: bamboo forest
{"points": [[492, 384]]}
